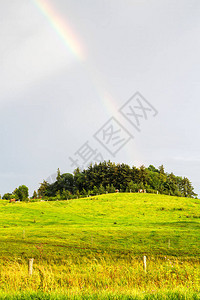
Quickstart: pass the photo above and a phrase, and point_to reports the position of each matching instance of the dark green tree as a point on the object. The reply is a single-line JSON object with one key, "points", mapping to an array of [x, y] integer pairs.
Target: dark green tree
{"points": [[35, 195], [66, 195], [187, 189], [161, 169], [95, 191], [42, 191], [58, 175], [101, 189], [21, 193], [108, 176], [8, 196]]}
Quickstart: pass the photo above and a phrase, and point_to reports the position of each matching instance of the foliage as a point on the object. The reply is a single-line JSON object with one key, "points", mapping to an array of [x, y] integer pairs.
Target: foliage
{"points": [[8, 196], [107, 177], [21, 193], [35, 195], [43, 188]]}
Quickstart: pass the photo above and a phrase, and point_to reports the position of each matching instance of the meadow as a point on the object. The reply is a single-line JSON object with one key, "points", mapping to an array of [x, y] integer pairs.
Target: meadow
{"points": [[93, 248]]}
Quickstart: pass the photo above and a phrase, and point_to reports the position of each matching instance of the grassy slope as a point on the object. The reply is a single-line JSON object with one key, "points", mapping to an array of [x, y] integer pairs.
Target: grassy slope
{"points": [[117, 223], [92, 248]]}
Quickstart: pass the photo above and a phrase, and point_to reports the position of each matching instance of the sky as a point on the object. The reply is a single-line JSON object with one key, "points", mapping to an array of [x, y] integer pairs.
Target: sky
{"points": [[86, 81]]}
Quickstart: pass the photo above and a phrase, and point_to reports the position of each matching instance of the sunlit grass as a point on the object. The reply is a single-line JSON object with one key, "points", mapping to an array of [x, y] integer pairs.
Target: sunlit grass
{"points": [[102, 275], [93, 248]]}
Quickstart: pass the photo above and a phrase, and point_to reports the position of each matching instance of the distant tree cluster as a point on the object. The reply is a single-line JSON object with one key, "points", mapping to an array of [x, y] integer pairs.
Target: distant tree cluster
{"points": [[107, 177], [20, 193]]}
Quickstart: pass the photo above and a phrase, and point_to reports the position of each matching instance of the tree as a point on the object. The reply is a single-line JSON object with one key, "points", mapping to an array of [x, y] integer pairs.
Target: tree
{"points": [[43, 188], [187, 188], [101, 189], [171, 184], [8, 196], [58, 196], [112, 189], [35, 195], [77, 194], [66, 181], [58, 175], [84, 193], [152, 168], [143, 175], [132, 187], [95, 190], [21, 193], [161, 169], [66, 195], [108, 188], [154, 180]]}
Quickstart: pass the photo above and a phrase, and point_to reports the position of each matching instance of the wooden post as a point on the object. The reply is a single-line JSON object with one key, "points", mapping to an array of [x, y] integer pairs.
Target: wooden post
{"points": [[30, 266], [23, 234], [168, 243], [145, 263]]}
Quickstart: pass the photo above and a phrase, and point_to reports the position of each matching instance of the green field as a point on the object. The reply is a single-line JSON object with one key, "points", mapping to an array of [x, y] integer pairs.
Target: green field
{"points": [[93, 248]]}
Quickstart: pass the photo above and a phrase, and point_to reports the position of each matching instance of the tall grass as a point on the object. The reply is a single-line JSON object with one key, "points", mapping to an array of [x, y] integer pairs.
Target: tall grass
{"points": [[102, 276]]}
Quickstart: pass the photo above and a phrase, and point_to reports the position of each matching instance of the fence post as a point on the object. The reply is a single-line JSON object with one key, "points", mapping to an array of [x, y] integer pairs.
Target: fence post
{"points": [[145, 263], [30, 266]]}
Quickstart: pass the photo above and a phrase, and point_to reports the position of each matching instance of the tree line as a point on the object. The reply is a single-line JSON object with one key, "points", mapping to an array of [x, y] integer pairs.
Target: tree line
{"points": [[107, 177]]}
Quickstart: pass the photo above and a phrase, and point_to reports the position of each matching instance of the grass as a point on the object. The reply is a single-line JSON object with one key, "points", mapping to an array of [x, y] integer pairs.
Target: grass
{"points": [[103, 277], [92, 248]]}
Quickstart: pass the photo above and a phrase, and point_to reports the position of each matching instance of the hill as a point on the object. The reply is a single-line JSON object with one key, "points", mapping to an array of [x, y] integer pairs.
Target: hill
{"points": [[120, 223], [93, 248]]}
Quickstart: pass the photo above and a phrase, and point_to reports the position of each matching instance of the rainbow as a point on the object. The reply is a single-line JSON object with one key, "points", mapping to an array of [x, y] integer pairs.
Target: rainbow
{"points": [[62, 28], [72, 42]]}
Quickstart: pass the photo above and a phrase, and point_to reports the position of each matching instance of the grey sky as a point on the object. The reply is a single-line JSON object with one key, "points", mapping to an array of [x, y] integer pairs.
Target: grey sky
{"points": [[52, 101]]}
